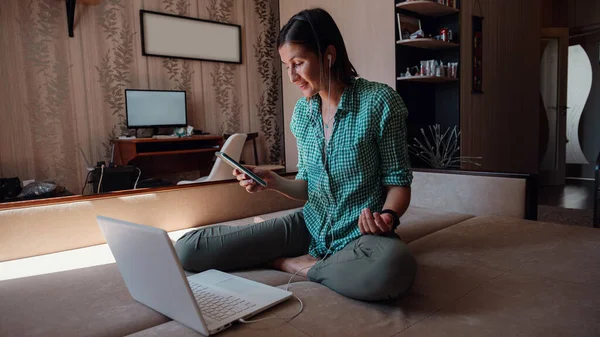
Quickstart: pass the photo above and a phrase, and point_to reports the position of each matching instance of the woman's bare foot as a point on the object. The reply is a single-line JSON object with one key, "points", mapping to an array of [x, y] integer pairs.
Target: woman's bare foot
{"points": [[300, 264]]}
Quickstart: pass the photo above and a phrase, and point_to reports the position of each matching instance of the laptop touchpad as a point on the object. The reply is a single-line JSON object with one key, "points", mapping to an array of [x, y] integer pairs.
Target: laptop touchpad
{"points": [[257, 293], [238, 286]]}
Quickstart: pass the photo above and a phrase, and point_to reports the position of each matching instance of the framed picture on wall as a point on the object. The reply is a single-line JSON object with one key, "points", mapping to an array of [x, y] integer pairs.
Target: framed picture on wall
{"points": [[169, 35], [408, 27]]}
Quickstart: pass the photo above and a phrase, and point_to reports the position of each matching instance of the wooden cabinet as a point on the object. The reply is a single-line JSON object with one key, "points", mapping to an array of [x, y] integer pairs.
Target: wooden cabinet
{"points": [[501, 125], [168, 155]]}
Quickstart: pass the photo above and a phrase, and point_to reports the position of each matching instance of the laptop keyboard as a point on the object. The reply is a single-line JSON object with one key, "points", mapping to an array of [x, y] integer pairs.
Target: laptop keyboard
{"points": [[217, 306]]}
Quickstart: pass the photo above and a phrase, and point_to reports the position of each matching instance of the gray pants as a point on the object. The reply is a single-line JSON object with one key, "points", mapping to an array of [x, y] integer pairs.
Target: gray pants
{"points": [[369, 268]]}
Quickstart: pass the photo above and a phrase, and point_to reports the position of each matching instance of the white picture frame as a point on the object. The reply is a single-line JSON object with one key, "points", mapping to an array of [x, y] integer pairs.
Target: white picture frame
{"points": [[407, 24], [174, 36]]}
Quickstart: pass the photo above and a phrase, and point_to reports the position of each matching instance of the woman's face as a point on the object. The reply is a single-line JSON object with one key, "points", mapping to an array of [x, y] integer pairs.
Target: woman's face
{"points": [[302, 67]]}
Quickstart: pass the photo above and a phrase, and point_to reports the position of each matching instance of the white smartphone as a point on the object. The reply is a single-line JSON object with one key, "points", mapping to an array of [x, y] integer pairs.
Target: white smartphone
{"points": [[240, 167]]}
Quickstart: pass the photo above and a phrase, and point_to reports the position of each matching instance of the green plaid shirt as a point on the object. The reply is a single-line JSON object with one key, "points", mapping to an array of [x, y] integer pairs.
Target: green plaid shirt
{"points": [[366, 152]]}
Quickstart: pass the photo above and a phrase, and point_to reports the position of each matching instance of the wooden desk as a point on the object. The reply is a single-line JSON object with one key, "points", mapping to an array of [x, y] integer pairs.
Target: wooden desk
{"points": [[168, 155]]}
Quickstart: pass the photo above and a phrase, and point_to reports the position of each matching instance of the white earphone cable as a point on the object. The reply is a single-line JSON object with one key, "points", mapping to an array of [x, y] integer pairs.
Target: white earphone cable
{"points": [[241, 320], [329, 103]]}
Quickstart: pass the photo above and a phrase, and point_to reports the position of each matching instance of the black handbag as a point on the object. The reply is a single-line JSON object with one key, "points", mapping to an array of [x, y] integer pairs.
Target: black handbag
{"points": [[10, 188]]}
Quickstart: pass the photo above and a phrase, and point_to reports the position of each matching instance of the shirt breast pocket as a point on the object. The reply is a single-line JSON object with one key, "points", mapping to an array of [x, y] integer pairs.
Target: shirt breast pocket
{"points": [[356, 157]]}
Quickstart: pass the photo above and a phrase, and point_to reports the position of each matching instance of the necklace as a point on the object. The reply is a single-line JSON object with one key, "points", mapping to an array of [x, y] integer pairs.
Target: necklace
{"points": [[327, 131], [329, 121]]}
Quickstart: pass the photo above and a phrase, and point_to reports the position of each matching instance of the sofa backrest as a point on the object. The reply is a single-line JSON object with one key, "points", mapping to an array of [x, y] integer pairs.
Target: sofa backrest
{"points": [[36, 230], [476, 193], [64, 225]]}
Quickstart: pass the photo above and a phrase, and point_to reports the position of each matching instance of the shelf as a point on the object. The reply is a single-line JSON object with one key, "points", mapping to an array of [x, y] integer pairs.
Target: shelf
{"points": [[428, 79], [427, 43], [159, 153], [427, 8], [168, 140]]}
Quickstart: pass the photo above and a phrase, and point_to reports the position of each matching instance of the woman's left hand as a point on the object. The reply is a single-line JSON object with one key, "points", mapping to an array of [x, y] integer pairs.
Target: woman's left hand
{"points": [[374, 223]]}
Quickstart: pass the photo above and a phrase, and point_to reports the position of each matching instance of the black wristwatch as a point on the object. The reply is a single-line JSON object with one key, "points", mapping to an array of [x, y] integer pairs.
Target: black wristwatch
{"points": [[394, 216]]}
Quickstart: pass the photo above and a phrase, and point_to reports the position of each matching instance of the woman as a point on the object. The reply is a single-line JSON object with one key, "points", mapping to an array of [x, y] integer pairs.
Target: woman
{"points": [[353, 173]]}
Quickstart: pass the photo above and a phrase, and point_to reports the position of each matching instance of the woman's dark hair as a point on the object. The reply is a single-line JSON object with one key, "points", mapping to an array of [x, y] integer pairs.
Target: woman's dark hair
{"points": [[315, 29]]}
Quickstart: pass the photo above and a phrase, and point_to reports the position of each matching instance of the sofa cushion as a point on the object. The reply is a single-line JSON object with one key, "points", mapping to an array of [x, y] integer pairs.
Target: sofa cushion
{"points": [[415, 223], [327, 313], [269, 276], [517, 305], [56, 262], [574, 259], [463, 288], [418, 222], [84, 302], [486, 276], [269, 328], [494, 242]]}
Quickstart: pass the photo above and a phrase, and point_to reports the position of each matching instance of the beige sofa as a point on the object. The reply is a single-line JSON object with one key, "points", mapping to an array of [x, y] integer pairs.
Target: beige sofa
{"points": [[483, 269]]}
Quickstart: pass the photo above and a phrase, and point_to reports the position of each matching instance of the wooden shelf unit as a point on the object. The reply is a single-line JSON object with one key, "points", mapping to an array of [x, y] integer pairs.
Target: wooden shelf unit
{"points": [[427, 8], [430, 100], [428, 43], [428, 79]]}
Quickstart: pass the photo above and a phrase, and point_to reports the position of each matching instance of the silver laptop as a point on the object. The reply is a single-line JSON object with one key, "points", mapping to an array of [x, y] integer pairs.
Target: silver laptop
{"points": [[207, 302]]}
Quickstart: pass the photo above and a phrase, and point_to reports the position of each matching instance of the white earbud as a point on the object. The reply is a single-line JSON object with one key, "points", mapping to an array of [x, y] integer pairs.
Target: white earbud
{"points": [[329, 58]]}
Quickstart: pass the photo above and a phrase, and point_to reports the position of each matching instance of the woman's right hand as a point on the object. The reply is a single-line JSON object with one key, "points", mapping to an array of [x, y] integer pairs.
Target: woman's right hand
{"points": [[252, 186]]}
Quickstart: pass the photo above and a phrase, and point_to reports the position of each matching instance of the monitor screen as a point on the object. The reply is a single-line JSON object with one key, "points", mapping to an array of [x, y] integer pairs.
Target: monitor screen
{"points": [[154, 108]]}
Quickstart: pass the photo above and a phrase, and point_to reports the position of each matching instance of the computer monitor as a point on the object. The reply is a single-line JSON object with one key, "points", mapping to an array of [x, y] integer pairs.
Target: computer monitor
{"points": [[155, 108]]}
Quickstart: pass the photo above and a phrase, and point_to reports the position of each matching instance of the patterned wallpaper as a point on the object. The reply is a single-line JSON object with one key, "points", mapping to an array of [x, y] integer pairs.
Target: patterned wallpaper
{"points": [[62, 99]]}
